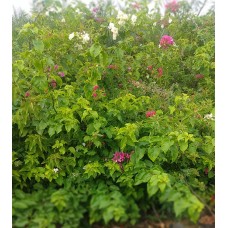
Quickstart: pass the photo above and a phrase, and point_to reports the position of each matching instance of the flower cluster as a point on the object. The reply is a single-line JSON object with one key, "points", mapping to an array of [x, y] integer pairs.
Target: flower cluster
{"points": [[81, 35], [172, 6], [97, 91], [209, 116], [122, 17], [120, 157], [166, 41], [114, 30], [56, 170], [133, 19], [150, 113]]}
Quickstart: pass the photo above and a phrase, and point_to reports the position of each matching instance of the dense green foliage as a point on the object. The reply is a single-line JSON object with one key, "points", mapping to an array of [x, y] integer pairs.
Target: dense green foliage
{"points": [[80, 98]]}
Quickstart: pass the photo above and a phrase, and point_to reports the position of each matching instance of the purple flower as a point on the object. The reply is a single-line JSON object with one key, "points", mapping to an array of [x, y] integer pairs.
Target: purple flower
{"points": [[61, 74]]}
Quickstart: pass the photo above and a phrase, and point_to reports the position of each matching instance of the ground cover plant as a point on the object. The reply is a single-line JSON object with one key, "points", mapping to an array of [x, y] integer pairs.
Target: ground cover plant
{"points": [[113, 114]]}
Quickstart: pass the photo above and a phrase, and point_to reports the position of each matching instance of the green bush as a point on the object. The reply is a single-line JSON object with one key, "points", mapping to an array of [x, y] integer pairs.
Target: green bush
{"points": [[80, 99]]}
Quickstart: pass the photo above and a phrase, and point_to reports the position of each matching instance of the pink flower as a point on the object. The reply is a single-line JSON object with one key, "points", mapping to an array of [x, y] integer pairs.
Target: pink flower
{"points": [[136, 5], [198, 76], [120, 157], [61, 74], [94, 95], [96, 87], [160, 72], [95, 9], [27, 94], [166, 41], [56, 67], [172, 6], [150, 113]]}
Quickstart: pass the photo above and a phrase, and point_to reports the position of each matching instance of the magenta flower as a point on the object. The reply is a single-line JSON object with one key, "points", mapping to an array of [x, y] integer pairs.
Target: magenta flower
{"points": [[120, 157], [150, 113], [166, 41], [61, 74], [172, 6]]}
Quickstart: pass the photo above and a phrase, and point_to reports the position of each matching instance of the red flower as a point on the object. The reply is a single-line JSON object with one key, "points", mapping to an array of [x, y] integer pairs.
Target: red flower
{"points": [[206, 171], [198, 76], [112, 66], [96, 87], [94, 95], [160, 72], [150, 113], [27, 94], [150, 68]]}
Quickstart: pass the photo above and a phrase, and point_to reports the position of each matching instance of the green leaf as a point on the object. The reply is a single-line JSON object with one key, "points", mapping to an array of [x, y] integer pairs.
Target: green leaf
{"points": [[40, 83], [180, 205], [138, 154], [38, 45], [95, 50], [51, 131], [20, 205], [142, 177], [151, 189], [153, 153], [166, 144], [183, 145]]}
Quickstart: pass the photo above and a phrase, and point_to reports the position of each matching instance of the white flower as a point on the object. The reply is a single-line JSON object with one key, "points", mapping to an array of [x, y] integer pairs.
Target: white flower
{"points": [[56, 170], [155, 23], [162, 26], [159, 45], [209, 116], [114, 30], [114, 33], [71, 36], [83, 144], [111, 25], [170, 20], [85, 38], [78, 11], [122, 17], [47, 13], [133, 19], [63, 20]]}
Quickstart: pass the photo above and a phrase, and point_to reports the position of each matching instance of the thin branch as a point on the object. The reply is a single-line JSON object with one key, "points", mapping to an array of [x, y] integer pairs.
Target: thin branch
{"points": [[204, 3]]}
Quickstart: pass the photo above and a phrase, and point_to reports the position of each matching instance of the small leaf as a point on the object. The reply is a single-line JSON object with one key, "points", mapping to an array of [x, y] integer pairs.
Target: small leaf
{"points": [[183, 145], [153, 153], [38, 45]]}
